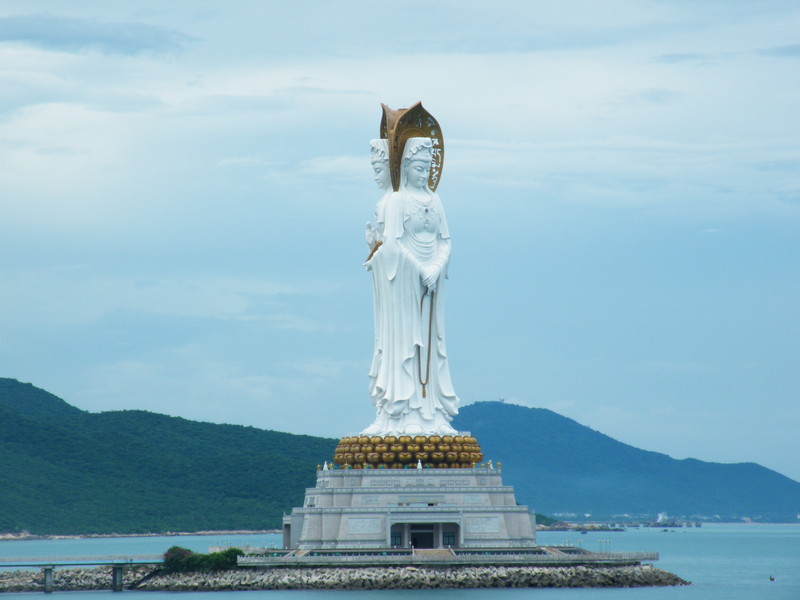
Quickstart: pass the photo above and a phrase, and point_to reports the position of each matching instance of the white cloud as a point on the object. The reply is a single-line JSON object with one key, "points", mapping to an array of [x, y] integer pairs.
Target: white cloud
{"points": [[74, 296], [182, 381], [244, 161], [692, 178], [335, 167], [67, 34], [195, 382], [788, 51]]}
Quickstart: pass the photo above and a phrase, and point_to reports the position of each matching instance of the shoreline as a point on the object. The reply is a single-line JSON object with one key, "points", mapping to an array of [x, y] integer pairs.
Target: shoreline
{"points": [[348, 578], [24, 536], [14, 537]]}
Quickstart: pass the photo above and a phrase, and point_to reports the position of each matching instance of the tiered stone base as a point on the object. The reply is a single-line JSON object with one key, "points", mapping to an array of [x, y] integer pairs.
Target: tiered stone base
{"points": [[390, 452]]}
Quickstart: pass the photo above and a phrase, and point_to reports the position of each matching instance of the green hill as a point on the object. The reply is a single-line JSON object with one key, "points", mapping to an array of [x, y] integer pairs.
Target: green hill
{"points": [[67, 471], [558, 465]]}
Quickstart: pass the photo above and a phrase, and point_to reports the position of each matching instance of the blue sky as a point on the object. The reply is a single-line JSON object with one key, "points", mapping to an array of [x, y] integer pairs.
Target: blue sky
{"points": [[184, 186]]}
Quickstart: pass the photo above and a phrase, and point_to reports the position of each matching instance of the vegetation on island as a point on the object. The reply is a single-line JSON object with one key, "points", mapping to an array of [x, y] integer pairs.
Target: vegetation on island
{"points": [[183, 560], [66, 471], [545, 520]]}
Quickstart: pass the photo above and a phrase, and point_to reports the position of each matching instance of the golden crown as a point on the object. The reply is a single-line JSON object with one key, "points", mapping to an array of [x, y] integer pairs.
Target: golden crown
{"points": [[399, 125]]}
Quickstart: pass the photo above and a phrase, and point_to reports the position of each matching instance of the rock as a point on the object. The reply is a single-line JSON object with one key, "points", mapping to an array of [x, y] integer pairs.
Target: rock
{"points": [[344, 578]]}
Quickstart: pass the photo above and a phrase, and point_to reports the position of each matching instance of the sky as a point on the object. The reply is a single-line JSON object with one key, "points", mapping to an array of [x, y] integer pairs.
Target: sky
{"points": [[184, 187]]}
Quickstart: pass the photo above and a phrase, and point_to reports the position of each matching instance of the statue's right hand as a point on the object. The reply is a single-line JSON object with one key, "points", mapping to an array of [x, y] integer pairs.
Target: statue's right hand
{"points": [[370, 235], [429, 276]]}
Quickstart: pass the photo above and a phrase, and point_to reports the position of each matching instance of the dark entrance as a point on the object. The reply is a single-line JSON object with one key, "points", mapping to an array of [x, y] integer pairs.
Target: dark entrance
{"points": [[422, 536]]}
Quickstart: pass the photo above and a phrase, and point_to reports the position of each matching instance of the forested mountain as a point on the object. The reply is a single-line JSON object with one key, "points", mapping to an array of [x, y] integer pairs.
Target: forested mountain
{"points": [[68, 471], [558, 465], [64, 470]]}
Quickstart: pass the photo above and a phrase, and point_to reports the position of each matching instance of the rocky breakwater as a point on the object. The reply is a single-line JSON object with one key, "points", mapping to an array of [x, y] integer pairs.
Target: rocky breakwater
{"points": [[413, 578], [70, 580]]}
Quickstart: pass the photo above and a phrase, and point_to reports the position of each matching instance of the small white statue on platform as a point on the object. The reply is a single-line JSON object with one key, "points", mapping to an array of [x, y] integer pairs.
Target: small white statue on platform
{"points": [[410, 381]]}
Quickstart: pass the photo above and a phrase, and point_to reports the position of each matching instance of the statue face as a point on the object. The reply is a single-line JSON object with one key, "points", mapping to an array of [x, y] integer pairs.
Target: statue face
{"points": [[382, 175], [416, 173]]}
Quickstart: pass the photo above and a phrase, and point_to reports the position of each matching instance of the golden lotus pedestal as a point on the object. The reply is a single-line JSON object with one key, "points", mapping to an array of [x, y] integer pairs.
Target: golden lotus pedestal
{"points": [[403, 452]]}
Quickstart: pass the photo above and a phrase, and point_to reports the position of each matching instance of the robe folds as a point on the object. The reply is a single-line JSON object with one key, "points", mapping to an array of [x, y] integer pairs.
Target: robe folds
{"points": [[414, 238]]}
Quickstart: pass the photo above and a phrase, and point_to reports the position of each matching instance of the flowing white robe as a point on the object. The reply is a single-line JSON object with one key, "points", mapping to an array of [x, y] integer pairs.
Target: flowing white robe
{"points": [[415, 236]]}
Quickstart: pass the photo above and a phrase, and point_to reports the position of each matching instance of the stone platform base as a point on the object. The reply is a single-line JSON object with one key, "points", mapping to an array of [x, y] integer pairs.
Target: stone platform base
{"points": [[409, 508]]}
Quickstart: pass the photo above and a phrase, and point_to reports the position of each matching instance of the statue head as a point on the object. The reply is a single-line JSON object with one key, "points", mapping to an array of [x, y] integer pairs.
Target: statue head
{"points": [[379, 150], [398, 126], [416, 165]]}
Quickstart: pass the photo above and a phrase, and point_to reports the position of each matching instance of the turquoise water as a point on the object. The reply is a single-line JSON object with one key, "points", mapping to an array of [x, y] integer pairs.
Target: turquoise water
{"points": [[731, 562]]}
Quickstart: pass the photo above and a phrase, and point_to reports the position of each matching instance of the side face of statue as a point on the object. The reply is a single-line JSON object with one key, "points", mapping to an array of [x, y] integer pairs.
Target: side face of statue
{"points": [[383, 177], [410, 381]]}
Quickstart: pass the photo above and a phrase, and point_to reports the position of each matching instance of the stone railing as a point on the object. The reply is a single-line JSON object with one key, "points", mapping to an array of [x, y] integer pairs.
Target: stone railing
{"points": [[66, 561], [494, 558]]}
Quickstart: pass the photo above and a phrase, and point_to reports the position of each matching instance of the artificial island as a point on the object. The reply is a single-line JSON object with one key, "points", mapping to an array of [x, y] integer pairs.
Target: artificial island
{"points": [[409, 489], [408, 502]]}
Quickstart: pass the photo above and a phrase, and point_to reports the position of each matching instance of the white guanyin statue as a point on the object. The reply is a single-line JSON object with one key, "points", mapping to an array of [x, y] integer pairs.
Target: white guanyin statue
{"points": [[410, 381]]}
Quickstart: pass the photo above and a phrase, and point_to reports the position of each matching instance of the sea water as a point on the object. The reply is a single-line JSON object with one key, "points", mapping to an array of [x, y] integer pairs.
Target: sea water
{"points": [[730, 562]]}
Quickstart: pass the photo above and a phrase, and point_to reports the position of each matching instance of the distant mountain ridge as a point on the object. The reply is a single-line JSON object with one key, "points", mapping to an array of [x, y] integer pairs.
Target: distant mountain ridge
{"points": [[67, 471], [558, 465]]}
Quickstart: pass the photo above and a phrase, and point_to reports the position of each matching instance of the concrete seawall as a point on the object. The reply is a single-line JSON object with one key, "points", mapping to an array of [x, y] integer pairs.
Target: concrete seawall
{"points": [[409, 578], [70, 580]]}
